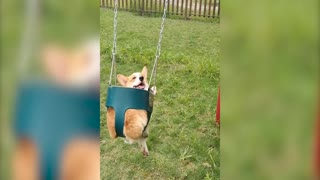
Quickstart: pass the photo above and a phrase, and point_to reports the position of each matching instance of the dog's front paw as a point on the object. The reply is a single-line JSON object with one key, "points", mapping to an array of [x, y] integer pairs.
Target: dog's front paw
{"points": [[154, 90]]}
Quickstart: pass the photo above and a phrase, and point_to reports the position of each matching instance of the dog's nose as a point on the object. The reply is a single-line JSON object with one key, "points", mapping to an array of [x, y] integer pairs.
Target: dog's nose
{"points": [[141, 78]]}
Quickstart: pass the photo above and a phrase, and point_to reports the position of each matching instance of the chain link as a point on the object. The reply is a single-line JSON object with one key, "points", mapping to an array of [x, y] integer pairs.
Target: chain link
{"points": [[113, 63], [158, 52]]}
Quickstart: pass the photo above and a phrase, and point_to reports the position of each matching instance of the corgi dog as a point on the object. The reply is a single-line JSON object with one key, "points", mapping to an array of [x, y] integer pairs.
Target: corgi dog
{"points": [[135, 121]]}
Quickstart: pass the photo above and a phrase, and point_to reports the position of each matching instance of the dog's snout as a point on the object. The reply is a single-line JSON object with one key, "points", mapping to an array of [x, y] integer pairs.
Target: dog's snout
{"points": [[141, 78]]}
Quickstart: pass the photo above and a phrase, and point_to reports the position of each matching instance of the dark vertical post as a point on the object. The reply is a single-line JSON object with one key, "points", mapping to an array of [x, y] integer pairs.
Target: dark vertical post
{"points": [[200, 6], [126, 5], [219, 9], [122, 5], [190, 8], [130, 5], [156, 7], [210, 4], [177, 12], [142, 7], [181, 8], [168, 7], [214, 8], [205, 8], [147, 7], [164, 4], [186, 9], [195, 7], [135, 5], [172, 9], [151, 10], [160, 7]]}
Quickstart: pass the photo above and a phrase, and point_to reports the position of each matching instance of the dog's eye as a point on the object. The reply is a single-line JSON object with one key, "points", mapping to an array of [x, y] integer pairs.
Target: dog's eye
{"points": [[134, 77]]}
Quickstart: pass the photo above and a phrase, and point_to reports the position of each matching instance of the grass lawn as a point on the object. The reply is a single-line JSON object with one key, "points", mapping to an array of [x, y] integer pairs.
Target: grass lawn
{"points": [[183, 142]]}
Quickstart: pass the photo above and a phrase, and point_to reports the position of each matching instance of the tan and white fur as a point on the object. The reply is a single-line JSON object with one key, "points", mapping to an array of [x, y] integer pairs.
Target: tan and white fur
{"points": [[135, 120]]}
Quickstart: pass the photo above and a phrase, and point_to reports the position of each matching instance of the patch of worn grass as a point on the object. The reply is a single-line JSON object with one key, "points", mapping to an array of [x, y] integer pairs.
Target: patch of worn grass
{"points": [[183, 142]]}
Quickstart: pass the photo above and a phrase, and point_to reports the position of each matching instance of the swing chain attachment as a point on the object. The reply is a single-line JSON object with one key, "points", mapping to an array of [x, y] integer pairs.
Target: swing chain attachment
{"points": [[113, 63], [158, 52]]}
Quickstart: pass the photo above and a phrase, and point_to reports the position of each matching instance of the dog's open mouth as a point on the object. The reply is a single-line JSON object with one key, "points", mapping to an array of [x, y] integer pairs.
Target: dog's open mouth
{"points": [[140, 86]]}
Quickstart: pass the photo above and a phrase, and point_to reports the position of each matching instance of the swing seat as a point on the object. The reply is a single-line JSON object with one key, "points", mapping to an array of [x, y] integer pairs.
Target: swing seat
{"points": [[122, 98], [51, 117]]}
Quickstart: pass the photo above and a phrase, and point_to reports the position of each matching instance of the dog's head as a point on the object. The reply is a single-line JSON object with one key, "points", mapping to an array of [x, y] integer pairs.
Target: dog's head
{"points": [[78, 66], [136, 80]]}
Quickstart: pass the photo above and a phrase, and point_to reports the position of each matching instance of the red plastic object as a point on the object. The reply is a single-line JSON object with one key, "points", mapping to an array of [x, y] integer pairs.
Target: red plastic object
{"points": [[317, 146], [218, 109]]}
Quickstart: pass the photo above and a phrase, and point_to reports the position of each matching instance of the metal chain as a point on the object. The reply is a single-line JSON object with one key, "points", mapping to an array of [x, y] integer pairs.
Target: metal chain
{"points": [[158, 52], [28, 36], [113, 63]]}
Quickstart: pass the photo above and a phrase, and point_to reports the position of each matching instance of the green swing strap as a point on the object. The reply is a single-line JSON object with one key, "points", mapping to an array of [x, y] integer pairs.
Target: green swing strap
{"points": [[121, 99]]}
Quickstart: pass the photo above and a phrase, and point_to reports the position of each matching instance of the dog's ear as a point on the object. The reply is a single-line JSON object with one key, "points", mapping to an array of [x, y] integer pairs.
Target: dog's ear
{"points": [[144, 72], [122, 79]]}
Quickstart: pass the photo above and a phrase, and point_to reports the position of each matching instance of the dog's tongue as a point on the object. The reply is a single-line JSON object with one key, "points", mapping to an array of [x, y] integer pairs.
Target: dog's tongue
{"points": [[140, 87]]}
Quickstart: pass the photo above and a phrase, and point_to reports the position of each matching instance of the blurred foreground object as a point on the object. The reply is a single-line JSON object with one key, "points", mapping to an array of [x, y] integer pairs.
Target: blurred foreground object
{"points": [[56, 124], [317, 145], [270, 81], [49, 119]]}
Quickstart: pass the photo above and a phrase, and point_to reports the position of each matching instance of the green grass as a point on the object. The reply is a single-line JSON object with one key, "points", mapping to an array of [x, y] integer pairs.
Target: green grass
{"points": [[183, 142]]}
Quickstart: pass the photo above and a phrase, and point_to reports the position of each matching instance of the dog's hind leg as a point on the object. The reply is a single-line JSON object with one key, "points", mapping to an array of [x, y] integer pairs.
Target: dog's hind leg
{"points": [[144, 147]]}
